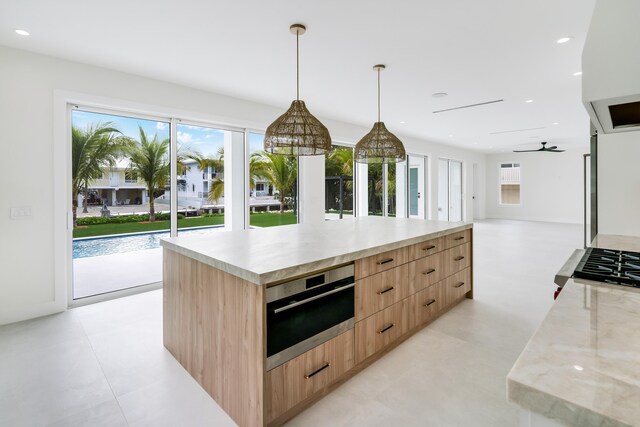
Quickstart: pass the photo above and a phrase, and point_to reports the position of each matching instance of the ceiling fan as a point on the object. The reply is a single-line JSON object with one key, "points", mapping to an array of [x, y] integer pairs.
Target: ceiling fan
{"points": [[551, 149]]}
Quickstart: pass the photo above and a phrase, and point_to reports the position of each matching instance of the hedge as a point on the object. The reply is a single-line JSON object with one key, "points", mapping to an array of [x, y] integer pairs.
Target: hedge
{"points": [[93, 220]]}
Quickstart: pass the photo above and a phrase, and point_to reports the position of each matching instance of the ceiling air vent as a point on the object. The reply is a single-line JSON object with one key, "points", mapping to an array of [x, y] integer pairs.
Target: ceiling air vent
{"points": [[625, 115]]}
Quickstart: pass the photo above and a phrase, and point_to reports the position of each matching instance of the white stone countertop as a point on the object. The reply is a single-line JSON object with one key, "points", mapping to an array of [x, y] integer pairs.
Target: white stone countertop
{"points": [[266, 255], [582, 366]]}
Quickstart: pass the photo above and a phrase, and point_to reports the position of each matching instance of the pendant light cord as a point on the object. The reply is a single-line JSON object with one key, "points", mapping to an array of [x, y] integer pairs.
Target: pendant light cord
{"points": [[297, 66], [378, 94]]}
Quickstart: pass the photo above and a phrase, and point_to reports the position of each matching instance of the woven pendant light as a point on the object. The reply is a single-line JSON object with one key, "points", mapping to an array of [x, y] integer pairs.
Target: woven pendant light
{"points": [[297, 132], [379, 145]]}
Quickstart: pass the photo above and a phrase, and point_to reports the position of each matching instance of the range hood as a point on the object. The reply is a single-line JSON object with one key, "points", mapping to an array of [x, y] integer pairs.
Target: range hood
{"points": [[611, 66]]}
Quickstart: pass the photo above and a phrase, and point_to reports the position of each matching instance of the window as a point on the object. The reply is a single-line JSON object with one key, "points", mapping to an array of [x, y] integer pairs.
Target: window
{"points": [[130, 177], [275, 202], [338, 189], [510, 183]]}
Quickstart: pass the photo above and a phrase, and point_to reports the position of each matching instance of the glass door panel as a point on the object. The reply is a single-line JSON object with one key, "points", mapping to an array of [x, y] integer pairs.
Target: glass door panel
{"points": [[455, 190], [200, 178], [120, 186], [417, 193], [338, 173], [273, 186], [443, 190]]}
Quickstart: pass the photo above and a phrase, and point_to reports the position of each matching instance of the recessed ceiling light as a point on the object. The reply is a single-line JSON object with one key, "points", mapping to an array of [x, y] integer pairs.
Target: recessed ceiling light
{"points": [[402, 122], [529, 101], [578, 368], [577, 73], [22, 32], [556, 123], [439, 94], [563, 40]]}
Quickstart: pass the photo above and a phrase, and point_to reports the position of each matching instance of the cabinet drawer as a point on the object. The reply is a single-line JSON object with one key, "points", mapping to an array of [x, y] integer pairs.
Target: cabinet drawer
{"points": [[420, 250], [381, 290], [381, 262], [426, 304], [299, 378], [424, 272], [457, 286], [456, 239], [457, 258], [377, 331]]}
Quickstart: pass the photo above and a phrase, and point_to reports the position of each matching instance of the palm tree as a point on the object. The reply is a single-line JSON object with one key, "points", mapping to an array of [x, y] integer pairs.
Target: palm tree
{"points": [[281, 172], [149, 160], [92, 149]]}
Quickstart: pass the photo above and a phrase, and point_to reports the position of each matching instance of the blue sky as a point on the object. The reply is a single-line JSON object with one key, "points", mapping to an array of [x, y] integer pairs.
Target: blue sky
{"points": [[204, 140]]}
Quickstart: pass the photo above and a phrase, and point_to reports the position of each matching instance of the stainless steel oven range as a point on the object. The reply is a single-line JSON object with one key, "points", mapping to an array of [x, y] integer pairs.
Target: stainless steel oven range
{"points": [[306, 312]]}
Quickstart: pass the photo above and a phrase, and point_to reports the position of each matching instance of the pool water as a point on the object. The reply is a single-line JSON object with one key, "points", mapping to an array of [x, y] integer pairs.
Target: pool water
{"points": [[98, 246]]}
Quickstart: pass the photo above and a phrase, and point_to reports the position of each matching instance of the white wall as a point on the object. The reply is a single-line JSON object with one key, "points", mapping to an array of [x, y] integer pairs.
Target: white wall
{"points": [[619, 184], [35, 252], [551, 186]]}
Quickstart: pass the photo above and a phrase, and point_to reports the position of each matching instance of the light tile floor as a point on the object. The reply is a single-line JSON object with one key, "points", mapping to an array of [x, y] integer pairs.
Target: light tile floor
{"points": [[104, 364]]}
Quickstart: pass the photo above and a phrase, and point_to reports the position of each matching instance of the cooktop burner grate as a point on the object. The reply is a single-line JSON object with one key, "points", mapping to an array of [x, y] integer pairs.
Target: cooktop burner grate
{"points": [[610, 266]]}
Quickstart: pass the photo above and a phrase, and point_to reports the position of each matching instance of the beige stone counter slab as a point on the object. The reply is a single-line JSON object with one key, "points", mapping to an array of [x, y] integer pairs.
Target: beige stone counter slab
{"points": [[267, 255], [582, 366]]}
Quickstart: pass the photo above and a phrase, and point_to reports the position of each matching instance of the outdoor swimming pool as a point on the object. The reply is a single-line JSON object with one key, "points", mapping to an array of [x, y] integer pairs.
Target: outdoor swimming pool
{"points": [[97, 246]]}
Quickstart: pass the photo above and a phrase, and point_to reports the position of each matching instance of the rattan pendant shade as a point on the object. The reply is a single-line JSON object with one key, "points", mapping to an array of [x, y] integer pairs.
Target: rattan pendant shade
{"points": [[379, 145], [297, 132]]}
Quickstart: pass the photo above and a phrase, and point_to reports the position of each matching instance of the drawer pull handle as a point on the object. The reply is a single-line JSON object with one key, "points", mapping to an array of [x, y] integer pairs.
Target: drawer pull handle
{"points": [[317, 371], [384, 291], [384, 261], [458, 258], [457, 285], [428, 248], [459, 238], [429, 271], [386, 328], [428, 303]]}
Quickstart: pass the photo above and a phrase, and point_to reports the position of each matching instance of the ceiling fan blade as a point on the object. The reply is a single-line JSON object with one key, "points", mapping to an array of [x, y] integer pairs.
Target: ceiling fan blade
{"points": [[552, 148], [525, 151], [556, 151]]}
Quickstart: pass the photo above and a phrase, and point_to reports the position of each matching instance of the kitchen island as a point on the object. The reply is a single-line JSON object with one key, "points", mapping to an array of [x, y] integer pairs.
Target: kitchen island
{"points": [[582, 366], [404, 274]]}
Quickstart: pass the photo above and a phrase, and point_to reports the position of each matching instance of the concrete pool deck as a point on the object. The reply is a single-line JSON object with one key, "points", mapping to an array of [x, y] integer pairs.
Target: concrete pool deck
{"points": [[107, 273]]}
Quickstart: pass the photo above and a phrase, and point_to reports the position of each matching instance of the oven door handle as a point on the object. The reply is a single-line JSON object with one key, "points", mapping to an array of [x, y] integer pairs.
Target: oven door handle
{"points": [[313, 298]]}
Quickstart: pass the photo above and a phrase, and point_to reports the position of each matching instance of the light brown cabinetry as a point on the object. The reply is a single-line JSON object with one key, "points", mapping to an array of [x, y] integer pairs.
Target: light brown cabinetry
{"points": [[291, 383], [381, 329], [381, 262], [215, 325], [381, 290]]}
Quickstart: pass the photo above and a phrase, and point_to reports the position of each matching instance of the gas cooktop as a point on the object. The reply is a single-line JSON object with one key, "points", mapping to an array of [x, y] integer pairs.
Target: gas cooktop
{"points": [[610, 266]]}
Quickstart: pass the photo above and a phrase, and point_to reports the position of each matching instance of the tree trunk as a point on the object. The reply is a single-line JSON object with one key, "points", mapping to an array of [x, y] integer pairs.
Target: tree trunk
{"points": [[282, 204], [85, 201], [152, 210], [74, 209]]}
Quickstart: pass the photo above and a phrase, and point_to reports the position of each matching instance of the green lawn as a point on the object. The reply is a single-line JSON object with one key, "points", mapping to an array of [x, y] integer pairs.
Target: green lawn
{"points": [[256, 219]]}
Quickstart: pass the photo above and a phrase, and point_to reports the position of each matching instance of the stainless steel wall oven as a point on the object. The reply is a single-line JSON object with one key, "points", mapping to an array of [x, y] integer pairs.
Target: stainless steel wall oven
{"points": [[306, 312]]}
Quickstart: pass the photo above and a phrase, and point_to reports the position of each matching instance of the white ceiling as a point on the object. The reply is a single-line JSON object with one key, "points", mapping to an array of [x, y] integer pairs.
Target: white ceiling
{"points": [[476, 51]]}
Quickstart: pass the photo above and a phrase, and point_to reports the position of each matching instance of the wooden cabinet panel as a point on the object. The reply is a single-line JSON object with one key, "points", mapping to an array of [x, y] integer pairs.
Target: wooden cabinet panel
{"points": [[430, 247], [426, 304], [456, 239], [381, 262], [424, 272], [457, 286], [308, 373], [380, 291], [377, 331], [457, 258]]}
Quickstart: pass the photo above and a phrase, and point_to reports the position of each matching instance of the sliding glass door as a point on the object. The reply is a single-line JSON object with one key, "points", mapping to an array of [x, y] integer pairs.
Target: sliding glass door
{"points": [[449, 190], [120, 189]]}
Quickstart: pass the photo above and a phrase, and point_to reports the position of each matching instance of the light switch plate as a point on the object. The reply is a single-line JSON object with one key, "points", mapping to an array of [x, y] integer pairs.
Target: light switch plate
{"points": [[21, 212]]}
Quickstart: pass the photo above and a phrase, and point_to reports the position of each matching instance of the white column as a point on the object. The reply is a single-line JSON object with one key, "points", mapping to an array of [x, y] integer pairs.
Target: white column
{"points": [[401, 190], [362, 176], [234, 183], [311, 189]]}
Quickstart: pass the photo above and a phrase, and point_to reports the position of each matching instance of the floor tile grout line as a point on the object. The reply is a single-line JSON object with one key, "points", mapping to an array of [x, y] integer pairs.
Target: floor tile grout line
{"points": [[124, 416]]}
